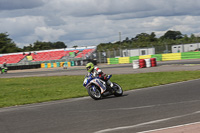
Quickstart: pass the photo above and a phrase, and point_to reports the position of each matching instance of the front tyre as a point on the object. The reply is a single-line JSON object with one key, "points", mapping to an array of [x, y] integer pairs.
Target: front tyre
{"points": [[118, 90], [94, 92]]}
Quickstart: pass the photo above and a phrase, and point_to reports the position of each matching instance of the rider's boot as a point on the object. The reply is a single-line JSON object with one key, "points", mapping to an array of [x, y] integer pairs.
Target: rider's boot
{"points": [[110, 84]]}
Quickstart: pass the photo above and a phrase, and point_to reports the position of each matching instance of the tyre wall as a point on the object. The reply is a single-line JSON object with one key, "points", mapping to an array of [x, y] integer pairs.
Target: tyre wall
{"points": [[143, 63]]}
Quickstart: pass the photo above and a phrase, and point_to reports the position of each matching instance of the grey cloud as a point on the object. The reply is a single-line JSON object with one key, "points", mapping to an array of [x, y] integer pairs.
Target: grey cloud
{"points": [[87, 22], [125, 9], [20, 4], [104, 7]]}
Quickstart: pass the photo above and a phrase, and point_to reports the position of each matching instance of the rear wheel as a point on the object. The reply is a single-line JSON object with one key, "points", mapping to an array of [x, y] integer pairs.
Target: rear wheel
{"points": [[94, 92], [118, 90]]}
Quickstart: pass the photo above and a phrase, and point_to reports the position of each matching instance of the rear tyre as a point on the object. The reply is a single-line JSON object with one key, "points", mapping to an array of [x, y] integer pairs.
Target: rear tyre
{"points": [[94, 92], [118, 90]]}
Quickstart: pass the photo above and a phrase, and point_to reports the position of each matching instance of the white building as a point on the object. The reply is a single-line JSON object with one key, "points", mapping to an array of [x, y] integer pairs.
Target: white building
{"points": [[138, 52], [185, 47]]}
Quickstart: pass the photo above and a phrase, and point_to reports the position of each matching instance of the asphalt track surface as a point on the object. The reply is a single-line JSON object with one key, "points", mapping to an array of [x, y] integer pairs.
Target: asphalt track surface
{"points": [[136, 111]]}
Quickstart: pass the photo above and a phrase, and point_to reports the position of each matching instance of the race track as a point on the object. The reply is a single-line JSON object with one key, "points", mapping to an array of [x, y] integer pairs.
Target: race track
{"points": [[139, 110], [136, 111]]}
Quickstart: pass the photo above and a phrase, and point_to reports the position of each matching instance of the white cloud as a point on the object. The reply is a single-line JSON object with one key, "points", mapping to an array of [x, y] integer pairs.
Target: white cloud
{"points": [[49, 34], [21, 25], [89, 22]]}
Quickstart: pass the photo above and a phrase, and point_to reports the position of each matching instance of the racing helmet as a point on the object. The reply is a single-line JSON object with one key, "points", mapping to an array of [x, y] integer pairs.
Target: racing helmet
{"points": [[90, 66]]}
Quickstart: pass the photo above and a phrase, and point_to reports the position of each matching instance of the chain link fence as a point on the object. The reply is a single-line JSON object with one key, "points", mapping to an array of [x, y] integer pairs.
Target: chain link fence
{"points": [[103, 55]]}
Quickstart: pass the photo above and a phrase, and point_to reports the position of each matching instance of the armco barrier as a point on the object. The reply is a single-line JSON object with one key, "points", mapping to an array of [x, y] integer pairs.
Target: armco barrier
{"points": [[58, 64], [69, 64], [72, 63], [144, 56], [49, 65], [124, 60], [190, 55], [159, 57], [20, 67], [61, 64], [172, 56], [43, 65], [113, 60], [54, 65], [133, 58], [46, 66]]}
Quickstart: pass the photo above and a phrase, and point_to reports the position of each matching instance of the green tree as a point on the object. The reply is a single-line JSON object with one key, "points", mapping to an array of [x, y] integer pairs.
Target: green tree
{"points": [[59, 44], [28, 48], [38, 45], [172, 35], [75, 46], [7, 45]]}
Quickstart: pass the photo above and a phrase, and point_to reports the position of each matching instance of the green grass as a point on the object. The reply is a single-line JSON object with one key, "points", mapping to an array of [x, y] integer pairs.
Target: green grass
{"points": [[18, 91]]}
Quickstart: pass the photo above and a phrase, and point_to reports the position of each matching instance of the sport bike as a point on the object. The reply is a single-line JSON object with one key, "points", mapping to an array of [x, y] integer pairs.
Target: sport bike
{"points": [[98, 88], [4, 70]]}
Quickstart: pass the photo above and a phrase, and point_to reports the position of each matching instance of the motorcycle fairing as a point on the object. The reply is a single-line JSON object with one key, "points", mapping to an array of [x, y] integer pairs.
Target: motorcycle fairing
{"points": [[99, 84]]}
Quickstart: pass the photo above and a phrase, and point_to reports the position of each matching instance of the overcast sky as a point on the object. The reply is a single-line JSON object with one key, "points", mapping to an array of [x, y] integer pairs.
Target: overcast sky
{"points": [[90, 22]]}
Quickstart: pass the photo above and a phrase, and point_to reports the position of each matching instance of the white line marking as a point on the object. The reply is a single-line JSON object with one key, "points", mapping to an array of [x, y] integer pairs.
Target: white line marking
{"points": [[158, 86], [141, 107], [146, 123], [42, 104], [169, 127]]}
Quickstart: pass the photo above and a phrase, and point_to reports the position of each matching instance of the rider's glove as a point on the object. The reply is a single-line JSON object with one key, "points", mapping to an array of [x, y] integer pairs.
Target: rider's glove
{"points": [[84, 84]]}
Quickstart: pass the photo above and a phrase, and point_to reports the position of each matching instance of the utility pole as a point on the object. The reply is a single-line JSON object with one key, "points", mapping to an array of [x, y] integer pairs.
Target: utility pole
{"points": [[120, 44]]}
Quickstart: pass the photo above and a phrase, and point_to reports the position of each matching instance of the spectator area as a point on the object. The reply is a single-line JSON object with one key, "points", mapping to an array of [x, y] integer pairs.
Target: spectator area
{"points": [[51, 55], [9, 59], [85, 53], [45, 55]]}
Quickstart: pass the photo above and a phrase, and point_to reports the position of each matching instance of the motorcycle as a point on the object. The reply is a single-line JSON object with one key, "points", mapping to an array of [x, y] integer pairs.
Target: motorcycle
{"points": [[98, 88], [4, 70]]}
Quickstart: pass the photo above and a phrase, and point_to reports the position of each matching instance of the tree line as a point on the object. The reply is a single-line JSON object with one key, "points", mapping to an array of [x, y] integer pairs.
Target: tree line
{"points": [[7, 45], [150, 40]]}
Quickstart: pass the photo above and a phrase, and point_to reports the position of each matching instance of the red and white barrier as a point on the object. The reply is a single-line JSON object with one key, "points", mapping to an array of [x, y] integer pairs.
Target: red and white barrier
{"points": [[148, 62], [136, 64], [142, 63], [153, 62]]}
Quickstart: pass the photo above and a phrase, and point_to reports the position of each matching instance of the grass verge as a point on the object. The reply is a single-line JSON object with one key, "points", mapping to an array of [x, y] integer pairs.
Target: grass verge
{"points": [[18, 91]]}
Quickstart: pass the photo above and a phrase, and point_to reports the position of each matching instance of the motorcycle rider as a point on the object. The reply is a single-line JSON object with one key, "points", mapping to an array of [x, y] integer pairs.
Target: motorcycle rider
{"points": [[3, 67], [96, 72]]}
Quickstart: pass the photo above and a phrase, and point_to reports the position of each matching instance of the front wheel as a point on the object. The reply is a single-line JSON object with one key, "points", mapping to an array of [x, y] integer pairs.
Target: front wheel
{"points": [[118, 90], [94, 92]]}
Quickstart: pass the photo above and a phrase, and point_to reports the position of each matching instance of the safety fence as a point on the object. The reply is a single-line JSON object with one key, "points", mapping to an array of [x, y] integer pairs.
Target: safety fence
{"points": [[159, 57], [67, 64], [58, 64], [51, 64]]}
